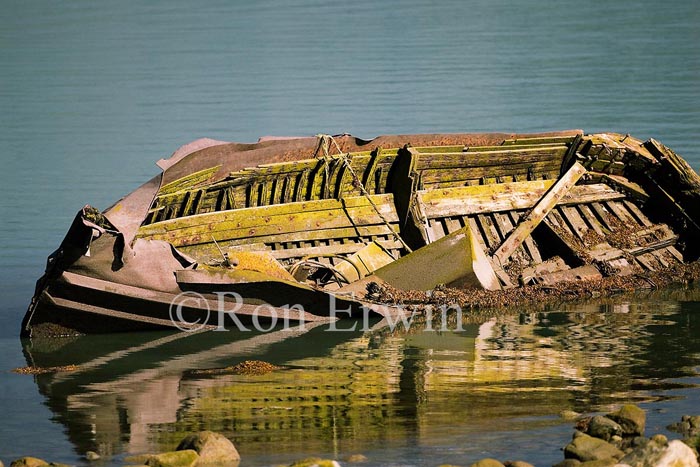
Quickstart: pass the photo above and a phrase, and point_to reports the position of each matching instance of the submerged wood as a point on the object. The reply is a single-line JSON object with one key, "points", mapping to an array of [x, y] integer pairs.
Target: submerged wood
{"points": [[321, 222]]}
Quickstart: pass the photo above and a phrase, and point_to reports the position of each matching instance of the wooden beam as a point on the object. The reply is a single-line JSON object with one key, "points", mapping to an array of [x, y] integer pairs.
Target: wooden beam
{"points": [[539, 212]]}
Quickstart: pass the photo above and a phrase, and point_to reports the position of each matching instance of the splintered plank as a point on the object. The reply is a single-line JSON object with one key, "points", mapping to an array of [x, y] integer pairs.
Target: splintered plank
{"points": [[540, 211]]}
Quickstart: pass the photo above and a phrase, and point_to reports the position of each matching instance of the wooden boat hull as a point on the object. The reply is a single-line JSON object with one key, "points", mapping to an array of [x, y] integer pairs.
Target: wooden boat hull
{"points": [[313, 221]]}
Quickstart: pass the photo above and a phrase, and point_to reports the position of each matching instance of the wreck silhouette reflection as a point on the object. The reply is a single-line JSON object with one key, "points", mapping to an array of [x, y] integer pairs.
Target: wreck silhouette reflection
{"points": [[344, 392]]}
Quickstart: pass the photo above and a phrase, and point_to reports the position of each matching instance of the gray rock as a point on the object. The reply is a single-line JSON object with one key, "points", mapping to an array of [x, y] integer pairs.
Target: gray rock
{"points": [[212, 448], [631, 418], [603, 428], [675, 453], [587, 448], [355, 458], [92, 456]]}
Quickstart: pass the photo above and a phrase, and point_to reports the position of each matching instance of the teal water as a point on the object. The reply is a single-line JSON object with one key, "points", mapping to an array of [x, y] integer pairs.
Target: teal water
{"points": [[92, 94]]}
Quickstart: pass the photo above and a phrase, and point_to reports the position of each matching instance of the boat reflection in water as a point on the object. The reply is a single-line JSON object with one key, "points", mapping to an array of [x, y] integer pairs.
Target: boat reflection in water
{"points": [[394, 393]]}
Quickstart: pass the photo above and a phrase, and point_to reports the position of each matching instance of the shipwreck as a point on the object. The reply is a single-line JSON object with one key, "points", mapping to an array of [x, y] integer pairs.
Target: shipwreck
{"points": [[301, 221]]}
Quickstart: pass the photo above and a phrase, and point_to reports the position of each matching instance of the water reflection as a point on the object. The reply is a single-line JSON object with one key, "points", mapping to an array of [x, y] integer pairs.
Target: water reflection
{"points": [[344, 392]]}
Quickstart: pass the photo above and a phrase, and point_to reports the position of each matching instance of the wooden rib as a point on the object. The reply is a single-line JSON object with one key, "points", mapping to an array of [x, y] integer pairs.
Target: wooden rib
{"points": [[590, 218], [575, 221], [602, 214], [490, 234], [619, 212], [637, 213]]}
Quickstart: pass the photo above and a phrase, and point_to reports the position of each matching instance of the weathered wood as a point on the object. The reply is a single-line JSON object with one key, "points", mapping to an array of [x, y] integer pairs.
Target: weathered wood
{"points": [[341, 249], [488, 230], [538, 140], [657, 245], [449, 202], [460, 174], [637, 213], [539, 212], [620, 212], [503, 159], [281, 216], [590, 219], [530, 245], [188, 181], [602, 214], [574, 219]]}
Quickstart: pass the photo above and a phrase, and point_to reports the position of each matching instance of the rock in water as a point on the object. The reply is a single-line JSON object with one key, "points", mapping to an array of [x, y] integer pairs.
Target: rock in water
{"points": [[487, 463], [587, 448], [517, 464], [568, 463], [603, 428], [631, 418], [186, 458], [212, 448], [674, 454], [354, 458], [28, 462], [92, 456]]}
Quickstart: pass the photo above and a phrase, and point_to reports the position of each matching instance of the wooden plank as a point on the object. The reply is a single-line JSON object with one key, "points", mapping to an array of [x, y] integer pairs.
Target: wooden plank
{"points": [[435, 226], [647, 261], [503, 224], [501, 159], [470, 200], [590, 218], [452, 225], [530, 245], [619, 212], [602, 214], [455, 174], [574, 219], [637, 213], [675, 253], [659, 255], [539, 212], [657, 245], [474, 225], [489, 230]]}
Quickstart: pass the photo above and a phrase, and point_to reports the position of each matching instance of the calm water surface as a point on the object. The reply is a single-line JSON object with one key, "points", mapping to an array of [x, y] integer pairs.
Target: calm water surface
{"points": [[93, 93]]}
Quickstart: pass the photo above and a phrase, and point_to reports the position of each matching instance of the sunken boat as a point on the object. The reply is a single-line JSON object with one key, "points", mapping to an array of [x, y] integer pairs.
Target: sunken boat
{"points": [[295, 227]]}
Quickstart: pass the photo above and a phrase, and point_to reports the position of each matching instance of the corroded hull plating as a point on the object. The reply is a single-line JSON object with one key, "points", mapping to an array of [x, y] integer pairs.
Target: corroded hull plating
{"points": [[317, 222]]}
